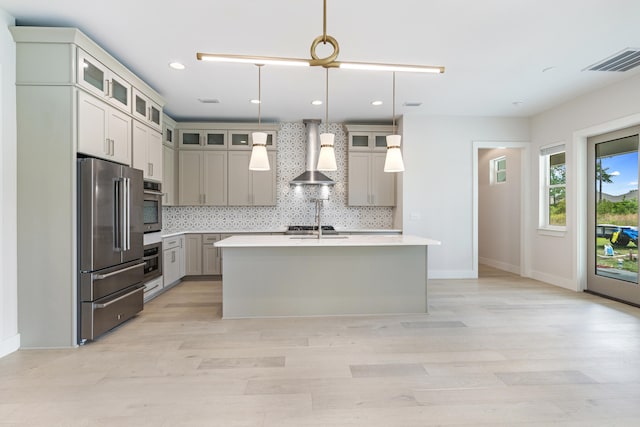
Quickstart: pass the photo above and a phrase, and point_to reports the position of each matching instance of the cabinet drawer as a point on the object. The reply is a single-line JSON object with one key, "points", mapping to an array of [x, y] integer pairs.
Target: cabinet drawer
{"points": [[107, 313], [170, 243], [210, 238]]}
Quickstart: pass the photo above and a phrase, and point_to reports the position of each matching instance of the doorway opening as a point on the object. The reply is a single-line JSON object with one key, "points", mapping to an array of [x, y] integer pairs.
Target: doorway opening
{"points": [[501, 207]]}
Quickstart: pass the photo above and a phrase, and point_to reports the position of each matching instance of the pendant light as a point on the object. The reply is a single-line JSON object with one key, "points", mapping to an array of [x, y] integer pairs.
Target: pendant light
{"points": [[259, 159], [393, 162], [327, 62], [327, 157]]}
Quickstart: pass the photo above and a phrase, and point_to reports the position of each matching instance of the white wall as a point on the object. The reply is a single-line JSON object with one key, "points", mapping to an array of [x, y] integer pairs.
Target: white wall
{"points": [[9, 337], [438, 183], [499, 211], [561, 260]]}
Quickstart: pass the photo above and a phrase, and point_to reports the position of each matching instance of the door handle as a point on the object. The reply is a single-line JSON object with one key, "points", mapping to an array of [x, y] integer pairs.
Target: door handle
{"points": [[113, 301]]}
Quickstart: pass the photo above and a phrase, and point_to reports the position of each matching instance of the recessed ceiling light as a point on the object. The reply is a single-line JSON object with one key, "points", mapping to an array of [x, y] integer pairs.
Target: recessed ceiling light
{"points": [[255, 101], [176, 65], [376, 103], [412, 104], [316, 102]]}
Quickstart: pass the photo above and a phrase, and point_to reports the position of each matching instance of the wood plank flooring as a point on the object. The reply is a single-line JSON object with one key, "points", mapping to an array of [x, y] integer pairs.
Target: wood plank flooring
{"points": [[497, 351]]}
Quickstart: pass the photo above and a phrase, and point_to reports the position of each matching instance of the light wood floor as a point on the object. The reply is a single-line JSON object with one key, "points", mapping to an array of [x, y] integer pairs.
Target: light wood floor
{"points": [[500, 350]]}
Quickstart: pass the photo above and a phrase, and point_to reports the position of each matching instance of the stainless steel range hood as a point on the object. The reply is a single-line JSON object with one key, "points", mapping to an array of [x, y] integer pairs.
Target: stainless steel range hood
{"points": [[312, 143]]}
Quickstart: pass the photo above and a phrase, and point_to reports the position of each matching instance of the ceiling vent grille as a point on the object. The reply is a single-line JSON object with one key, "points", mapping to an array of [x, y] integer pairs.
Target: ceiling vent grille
{"points": [[622, 61], [209, 100]]}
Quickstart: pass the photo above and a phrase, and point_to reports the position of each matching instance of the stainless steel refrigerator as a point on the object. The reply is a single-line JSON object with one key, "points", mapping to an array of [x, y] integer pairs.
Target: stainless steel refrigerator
{"points": [[110, 246]]}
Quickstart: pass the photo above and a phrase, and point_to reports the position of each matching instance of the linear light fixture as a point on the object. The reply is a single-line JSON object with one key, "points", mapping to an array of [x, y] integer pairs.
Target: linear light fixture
{"points": [[327, 62]]}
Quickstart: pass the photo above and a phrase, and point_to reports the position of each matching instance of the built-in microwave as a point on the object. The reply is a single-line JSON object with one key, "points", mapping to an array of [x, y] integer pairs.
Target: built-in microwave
{"points": [[152, 211]]}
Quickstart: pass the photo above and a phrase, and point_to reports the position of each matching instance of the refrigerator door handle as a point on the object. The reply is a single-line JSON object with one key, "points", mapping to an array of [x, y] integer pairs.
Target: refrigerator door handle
{"points": [[118, 241], [127, 214], [113, 273]]}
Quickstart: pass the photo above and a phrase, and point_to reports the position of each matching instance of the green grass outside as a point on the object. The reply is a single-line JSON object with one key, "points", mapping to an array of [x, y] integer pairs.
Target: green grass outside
{"points": [[627, 264]]}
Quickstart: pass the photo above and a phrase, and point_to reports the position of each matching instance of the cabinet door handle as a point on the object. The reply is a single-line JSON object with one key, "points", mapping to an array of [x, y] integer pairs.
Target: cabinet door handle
{"points": [[107, 146], [149, 169], [149, 113], [204, 198], [109, 88], [106, 88], [113, 147], [173, 256]]}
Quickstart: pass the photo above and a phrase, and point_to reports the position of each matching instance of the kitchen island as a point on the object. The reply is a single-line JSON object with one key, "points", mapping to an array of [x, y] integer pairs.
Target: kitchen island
{"points": [[272, 276]]}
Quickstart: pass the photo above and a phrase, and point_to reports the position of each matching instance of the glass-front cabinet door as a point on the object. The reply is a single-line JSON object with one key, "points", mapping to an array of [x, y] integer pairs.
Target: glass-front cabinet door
{"points": [[380, 141], [102, 82], [213, 139], [613, 215]]}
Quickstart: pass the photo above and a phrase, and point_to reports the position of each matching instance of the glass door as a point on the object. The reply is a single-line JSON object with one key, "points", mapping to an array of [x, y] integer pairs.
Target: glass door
{"points": [[613, 215]]}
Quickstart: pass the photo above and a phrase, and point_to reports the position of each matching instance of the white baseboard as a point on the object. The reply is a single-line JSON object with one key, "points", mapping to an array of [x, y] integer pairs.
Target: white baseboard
{"points": [[452, 274], [515, 269], [9, 345], [561, 282]]}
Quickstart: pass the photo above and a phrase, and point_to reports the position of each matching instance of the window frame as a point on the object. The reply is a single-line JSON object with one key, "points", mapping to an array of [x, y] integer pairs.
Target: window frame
{"points": [[545, 187], [494, 170]]}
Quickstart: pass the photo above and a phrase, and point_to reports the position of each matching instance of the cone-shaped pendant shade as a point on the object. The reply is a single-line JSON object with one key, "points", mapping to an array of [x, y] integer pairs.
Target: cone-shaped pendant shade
{"points": [[327, 157], [259, 159], [393, 162]]}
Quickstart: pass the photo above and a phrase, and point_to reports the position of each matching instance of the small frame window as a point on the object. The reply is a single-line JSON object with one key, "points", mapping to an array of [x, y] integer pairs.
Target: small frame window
{"points": [[499, 170], [553, 187]]}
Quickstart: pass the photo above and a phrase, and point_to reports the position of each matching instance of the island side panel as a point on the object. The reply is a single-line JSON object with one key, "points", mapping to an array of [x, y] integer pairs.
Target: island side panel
{"points": [[315, 281]]}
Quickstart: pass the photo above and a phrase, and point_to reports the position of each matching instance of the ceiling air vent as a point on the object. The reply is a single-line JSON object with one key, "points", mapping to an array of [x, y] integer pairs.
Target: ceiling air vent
{"points": [[625, 60], [209, 100], [412, 104]]}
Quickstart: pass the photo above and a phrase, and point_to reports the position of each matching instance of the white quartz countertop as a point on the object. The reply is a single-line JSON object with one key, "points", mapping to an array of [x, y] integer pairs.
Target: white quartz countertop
{"points": [[326, 241], [172, 233]]}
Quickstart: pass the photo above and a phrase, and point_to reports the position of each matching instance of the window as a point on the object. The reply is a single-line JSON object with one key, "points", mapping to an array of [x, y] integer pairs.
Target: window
{"points": [[553, 186], [499, 170]]}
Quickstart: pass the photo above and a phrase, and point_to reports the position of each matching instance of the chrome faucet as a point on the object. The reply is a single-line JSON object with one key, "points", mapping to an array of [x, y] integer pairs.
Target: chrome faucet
{"points": [[318, 213]]}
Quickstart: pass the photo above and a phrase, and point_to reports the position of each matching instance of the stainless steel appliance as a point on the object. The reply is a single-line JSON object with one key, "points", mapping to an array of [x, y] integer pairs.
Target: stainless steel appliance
{"points": [[152, 261], [311, 176], [152, 206], [310, 229], [110, 246]]}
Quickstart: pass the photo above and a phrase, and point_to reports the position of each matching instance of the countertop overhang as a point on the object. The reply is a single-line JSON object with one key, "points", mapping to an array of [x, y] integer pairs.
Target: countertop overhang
{"points": [[325, 241]]}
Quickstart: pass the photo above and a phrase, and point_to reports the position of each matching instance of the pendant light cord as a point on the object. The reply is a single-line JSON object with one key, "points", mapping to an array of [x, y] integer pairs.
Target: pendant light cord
{"points": [[393, 103], [259, 95], [326, 103]]}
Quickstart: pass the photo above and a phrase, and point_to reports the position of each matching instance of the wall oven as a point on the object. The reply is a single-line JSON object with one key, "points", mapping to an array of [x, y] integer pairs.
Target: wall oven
{"points": [[152, 206], [152, 261]]}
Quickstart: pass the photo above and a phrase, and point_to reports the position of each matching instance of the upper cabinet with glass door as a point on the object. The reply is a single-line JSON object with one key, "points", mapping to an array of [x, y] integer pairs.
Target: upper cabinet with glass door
{"points": [[146, 110], [368, 141], [102, 82], [201, 139], [243, 139]]}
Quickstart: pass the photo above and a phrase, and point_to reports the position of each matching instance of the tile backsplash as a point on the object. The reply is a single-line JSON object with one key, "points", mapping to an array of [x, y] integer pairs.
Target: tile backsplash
{"points": [[294, 205]]}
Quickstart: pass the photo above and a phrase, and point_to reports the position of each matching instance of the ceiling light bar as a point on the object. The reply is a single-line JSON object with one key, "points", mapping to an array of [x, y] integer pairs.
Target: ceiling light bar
{"points": [[258, 60], [391, 67]]}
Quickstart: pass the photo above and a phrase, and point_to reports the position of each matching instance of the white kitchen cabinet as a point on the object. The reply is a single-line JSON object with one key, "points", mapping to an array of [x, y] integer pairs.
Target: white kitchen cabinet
{"points": [[102, 82], [147, 151], [243, 139], [210, 254], [168, 176], [368, 183], [152, 288], [368, 141], [146, 110], [193, 254], [169, 133], [103, 131], [203, 139], [202, 178], [172, 260], [251, 188]]}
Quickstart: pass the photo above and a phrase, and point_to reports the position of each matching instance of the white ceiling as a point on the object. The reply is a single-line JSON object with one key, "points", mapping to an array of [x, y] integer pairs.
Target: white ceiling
{"points": [[494, 52]]}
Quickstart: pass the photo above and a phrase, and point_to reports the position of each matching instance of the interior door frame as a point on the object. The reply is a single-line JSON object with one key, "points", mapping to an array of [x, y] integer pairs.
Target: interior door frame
{"points": [[579, 215], [525, 201]]}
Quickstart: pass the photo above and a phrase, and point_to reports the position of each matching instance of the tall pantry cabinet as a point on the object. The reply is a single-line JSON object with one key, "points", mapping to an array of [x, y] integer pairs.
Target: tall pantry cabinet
{"points": [[72, 97]]}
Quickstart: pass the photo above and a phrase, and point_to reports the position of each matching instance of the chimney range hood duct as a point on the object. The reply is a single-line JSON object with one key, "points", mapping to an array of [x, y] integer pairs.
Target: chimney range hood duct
{"points": [[312, 141]]}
